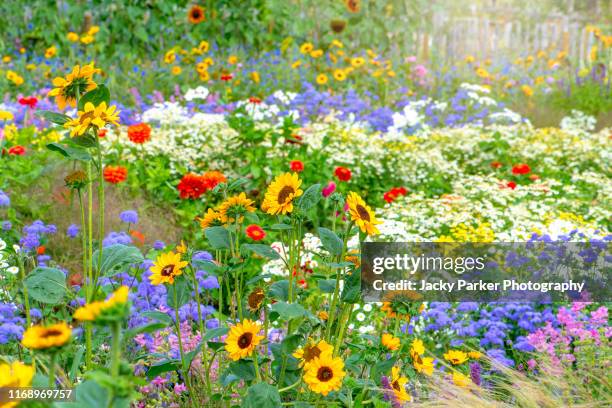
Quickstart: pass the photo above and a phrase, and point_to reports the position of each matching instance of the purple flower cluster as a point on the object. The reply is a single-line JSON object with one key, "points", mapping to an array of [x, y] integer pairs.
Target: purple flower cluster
{"points": [[129, 217], [11, 324], [114, 238], [5, 201], [33, 235]]}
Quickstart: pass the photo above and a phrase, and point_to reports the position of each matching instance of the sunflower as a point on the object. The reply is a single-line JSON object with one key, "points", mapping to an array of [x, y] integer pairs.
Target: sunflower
{"points": [[391, 342], [211, 218], [242, 339], [339, 75], [312, 350], [15, 375], [475, 355], [417, 347], [422, 364], [76, 83], [255, 299], [93, 310], [324, 373], [321, 79], [352, 5], [460, 380], [196, 14], [235, 206], [398, 383], [44, 337], [306, 48], [91, 115], [362, 214], [280, 194], [357, 62], [166, 267], [456, 356], [398, 304]]}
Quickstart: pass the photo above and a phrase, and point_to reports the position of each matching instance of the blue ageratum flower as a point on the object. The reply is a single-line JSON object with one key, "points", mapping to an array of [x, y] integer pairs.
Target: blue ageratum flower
{"points": [[72, 231], [5, 201], [129, 216]]}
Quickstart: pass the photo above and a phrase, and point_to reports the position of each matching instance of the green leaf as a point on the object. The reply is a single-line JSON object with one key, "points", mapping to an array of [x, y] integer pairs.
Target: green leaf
{"points": [[262, 395], [75, 153], [46, 285], [218, 332], [218, 237], [281, 227], [243, 369], [208, 266], [146, 328], [88, 394], [310, 198], [327, 285], [331, 241], [383, 366], [53, 117], [116, 256], [160, 316], [265, 251], [351, 293], [288, 311], [163, 367], [96, 96], [180, 290], [85, 140], [290, 343], [280, 290]]}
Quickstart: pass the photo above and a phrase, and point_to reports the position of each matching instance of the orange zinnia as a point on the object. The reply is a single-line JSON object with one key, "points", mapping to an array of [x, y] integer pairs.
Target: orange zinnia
{"points": [[115, 174], [139, 133]]}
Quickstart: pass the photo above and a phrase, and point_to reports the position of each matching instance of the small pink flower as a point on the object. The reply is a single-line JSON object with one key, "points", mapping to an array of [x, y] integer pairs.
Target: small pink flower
{"points": [[531, 364], [420, 71], [179, 389], [329, 189], [159, 381]]}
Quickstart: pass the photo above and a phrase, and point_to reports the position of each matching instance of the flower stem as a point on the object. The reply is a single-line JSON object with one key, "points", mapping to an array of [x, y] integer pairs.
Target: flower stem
{"points": [[52, 369], [26, 297], [116, 349]]}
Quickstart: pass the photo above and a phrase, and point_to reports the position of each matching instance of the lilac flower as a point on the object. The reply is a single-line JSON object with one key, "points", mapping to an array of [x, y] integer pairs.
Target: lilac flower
{"points": [[210, 282], [115, 238], [129, 216], [159, 245], [5, 201], [475, 370], [72, 231], [6, 225]]}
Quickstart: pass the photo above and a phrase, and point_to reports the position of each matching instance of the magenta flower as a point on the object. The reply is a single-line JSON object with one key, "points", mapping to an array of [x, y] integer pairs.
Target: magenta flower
{"points": [[329, 189]]}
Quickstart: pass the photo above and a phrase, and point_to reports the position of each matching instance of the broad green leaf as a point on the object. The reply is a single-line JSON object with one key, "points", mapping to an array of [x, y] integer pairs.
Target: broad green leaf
{"points": [[163, 367], [218, 237], [288, 311], [46, 285], [75, 153], [243, 369], [178, 293], [331, 241], [116, 256], [96, 96], [310, 198], [262, 395], [281, 227], [265, 251], [351, 293], [327, 285], [218, 332], [53, 117], [160, 316], [290, 343]]}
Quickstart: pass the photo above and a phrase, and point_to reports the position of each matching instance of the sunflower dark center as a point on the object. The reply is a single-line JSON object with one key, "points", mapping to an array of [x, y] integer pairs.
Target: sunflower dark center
{"points": [[284, 194], [363, 213], [244, 340], [167, 270], [325, 374], [310, 352], [196, 13], [51, 333], [395, 385]]}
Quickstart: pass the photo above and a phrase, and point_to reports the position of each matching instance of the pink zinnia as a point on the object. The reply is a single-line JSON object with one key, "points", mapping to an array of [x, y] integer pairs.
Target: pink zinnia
{"points": [[329, 189]]}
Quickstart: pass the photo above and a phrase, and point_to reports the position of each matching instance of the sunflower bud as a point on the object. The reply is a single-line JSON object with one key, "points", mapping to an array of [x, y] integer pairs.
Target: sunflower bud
{"points": [[337, 26], [76, 180]]}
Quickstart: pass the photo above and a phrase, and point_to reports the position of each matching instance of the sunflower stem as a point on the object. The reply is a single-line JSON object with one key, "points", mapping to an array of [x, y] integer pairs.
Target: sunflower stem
{"points": [[201, 324], [180, 342], [115, 349], [52, 364], [256, 364]]}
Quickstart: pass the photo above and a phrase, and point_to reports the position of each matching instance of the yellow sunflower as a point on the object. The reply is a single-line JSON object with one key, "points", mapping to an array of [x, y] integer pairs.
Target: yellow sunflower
{"points": [[209, 219], [196, 14], [242, 339], [398, 383], [235, 206], [390, 341], [362, 214], [93, 310], [44, 337], [475, 355], [324, 374], [15, 375], [312, 350], [339, 75], [91, 115], [460, 380], [321, 79], [357, 62], [456, 357], [74, 84], [417, 347], [167, 266], [422, 364], [281, 193]]}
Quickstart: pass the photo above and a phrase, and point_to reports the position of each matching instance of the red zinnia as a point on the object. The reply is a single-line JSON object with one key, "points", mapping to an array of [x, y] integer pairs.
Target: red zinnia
{"points": [[521, 168], [212, 178], [227, 77], [496, 164], [30, 101], [395, 192], [254, 100], [41, 250], [191, 186], [342, 173], [255, 232], [534, 177], [296, 165], [511, 184], [101, 132], [115, 174], [139, 133], [17, 150]]}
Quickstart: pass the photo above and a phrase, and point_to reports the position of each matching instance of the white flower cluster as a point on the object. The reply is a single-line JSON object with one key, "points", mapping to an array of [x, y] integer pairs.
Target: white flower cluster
{"points": [[578, 123]]}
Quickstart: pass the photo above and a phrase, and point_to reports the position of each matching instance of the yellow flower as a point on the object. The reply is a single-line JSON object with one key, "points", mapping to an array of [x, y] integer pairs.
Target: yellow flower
{"points": [[91, 115], [362, 214], [336, 43], [166, 267], [339, 75], [255, 77], [391, 73], [323, 315], [232, 60], [72, 36], [93, 30], [6, 115], [475, 355], [204, 46], [6, 58], [593, 53], [14, 77], [281, 193], [74, 84], [170, 57], [460, 380], [469, 59], [391, 342], [481, 72], [181, 248], [398, 383], [312, 350], [456, 357], [296, 64], [417, 347], [242, 339], [209, 61], [15, 375], [50, 52], [306, 48], [527, 90], [316, 53], [93, 310], [423, 365], [44, 337], [209, 219], [176, 70], [87, 39], [235, 206], [321, 79], [324, 374], [31, 67], [357, 62]]}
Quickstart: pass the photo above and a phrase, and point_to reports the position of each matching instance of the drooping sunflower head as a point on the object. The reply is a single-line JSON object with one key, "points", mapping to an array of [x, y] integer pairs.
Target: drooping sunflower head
{"points": [[210, 219], [255, 299], [167, 266], [15, 375], [91, 115], [79, 81], [196, 14], [362, 214], [456, 357], [242, 339], [113, 308], [281, 193], [399, 304], [324, 374], [312, 350], [234, 207], [390, 341], [46, 337], [398, 384]]}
